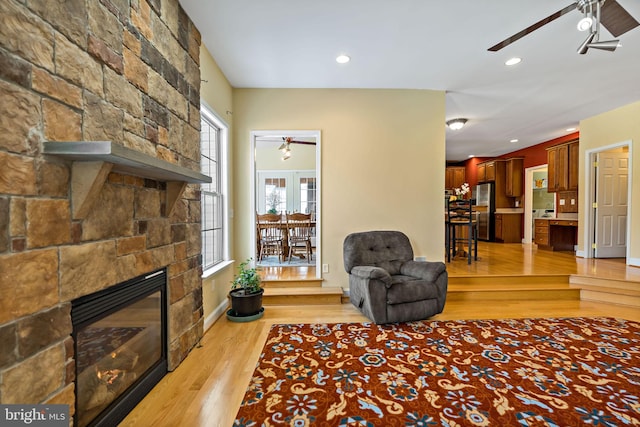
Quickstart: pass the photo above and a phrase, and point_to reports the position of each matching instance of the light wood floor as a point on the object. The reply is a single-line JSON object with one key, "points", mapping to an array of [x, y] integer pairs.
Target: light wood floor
{"points": [[207, 388]]}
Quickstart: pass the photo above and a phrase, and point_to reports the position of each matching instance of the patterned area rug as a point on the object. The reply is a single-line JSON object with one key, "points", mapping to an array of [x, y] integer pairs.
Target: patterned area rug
{"points": [[515, 372]]}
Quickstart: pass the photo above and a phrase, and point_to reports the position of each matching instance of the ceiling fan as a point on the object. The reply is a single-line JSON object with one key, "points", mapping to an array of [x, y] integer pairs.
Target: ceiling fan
{"points": [[284, 147], [609, 13]]}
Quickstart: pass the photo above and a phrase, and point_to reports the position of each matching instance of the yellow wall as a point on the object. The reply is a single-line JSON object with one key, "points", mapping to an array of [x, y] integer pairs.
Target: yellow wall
{"points": [[382, 155], [609, 128], [216, 92]]}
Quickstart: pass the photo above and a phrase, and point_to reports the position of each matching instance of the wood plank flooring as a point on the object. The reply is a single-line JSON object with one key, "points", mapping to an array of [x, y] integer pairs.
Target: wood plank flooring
{"points": [[207, 388]]}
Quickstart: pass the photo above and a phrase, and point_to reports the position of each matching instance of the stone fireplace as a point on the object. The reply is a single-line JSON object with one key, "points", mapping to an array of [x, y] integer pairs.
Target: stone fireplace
{"points": [[122, 71]]}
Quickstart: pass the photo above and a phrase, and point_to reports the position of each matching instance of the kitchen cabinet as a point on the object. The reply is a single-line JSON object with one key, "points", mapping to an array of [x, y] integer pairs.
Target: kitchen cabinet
{"points": [[562, 162], [481, 172], [455, 176], [486, 171], [513, 180], [541, 233], [556, 234], [508, 227], [574, 161], [490, 171]]}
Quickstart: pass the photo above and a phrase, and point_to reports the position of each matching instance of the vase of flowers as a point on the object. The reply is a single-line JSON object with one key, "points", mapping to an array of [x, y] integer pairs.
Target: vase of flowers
{"points": [[462, 191]]}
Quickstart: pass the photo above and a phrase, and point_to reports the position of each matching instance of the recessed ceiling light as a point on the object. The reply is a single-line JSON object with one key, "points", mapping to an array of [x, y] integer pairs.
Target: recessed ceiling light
{"points": [[513, 61], [513, 141], [570, 129], [471, 156], [342, 59]]}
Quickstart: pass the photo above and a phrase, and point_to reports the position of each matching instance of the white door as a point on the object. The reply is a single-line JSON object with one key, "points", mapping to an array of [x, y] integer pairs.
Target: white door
{"points": [[612, 180]]}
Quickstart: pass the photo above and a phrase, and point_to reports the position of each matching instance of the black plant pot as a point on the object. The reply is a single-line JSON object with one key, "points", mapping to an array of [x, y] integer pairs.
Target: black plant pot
{"points": [[245, 305]]}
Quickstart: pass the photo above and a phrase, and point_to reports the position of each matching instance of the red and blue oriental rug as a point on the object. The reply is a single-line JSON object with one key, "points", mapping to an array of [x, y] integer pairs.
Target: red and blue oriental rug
{"points": [[515, 372]]}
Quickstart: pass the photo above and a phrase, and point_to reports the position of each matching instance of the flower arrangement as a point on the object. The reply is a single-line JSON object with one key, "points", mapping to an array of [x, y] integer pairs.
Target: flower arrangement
{"points": [[463, 190]]}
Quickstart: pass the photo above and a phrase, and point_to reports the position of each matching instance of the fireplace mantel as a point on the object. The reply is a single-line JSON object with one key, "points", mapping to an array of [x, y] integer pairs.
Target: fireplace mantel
{"points": [[94, 160]]}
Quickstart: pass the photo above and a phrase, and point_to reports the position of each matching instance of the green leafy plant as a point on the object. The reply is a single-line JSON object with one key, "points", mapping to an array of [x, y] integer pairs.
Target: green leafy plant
{"points": [[247, 278]]}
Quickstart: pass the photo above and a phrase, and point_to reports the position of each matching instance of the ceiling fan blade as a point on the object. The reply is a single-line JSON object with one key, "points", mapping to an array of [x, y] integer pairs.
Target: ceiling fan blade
{"points": [[532, 28], [616, 19], [303, 142]]}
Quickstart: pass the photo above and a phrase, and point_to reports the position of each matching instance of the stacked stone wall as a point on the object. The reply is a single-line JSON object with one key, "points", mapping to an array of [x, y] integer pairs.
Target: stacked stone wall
{"points": [[125, 71]]}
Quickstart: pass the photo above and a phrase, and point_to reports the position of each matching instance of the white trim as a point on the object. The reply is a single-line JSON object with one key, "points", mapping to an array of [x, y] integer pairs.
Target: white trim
{"points": [[635, 262], [528, 202], [218, 121], [216, 268], [252, 187], [589, 198], [215, 315]]}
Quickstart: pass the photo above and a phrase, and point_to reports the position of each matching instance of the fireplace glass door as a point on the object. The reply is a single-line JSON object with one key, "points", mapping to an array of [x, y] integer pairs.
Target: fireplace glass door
{"points": [[114, 352]]}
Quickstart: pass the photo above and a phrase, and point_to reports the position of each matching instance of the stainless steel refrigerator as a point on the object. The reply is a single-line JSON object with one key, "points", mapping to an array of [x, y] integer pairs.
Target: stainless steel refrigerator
{"points": [[485, 206]]}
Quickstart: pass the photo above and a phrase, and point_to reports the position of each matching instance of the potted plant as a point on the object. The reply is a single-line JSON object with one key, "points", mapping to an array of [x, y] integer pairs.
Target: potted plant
{"points": [[246, 294]]}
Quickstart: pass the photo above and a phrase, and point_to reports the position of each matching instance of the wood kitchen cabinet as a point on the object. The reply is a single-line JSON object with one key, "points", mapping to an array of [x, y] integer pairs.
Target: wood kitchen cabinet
{"points": [[513, 180], [556, 234], [481, 172], [562, 162], [455, 176], [486, 171], [574, 161], [541, 233], [508, 227]]}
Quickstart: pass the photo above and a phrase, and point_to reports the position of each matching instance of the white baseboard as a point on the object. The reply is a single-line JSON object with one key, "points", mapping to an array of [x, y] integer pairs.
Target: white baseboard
{"points": [[634, 262], [215, 314], [580, 254], [345, 292]]}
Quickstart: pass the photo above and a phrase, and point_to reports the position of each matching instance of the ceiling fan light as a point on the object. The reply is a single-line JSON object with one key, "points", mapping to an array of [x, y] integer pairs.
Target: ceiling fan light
{"points": [[286, 155], [282, 147], [456, 124], [585, 23], [609, 45]]}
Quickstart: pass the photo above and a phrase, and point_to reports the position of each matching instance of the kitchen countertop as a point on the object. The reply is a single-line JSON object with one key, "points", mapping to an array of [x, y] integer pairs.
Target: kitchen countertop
{"points": [[510, 211]]}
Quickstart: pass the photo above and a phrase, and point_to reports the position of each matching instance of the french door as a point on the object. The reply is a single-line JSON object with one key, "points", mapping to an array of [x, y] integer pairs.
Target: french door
{"points": [[287, 191]]}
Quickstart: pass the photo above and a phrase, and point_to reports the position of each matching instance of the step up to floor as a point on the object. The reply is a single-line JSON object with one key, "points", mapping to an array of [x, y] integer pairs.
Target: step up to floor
{"points": [[613, 291], [302, 296], [511, 288], [507, 281], [292, 283]]}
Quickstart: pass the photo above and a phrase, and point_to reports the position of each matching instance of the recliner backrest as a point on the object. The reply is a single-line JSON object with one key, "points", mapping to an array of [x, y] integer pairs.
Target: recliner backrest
{"points": [[384, 249]]}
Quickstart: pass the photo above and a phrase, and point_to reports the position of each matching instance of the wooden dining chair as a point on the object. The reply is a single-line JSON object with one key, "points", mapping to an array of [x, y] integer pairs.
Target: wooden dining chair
{"points": [[299, 233], [270, 235], [460, 215]]}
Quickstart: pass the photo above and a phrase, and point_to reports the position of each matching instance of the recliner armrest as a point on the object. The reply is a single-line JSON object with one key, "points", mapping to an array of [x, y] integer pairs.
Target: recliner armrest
{"points": [[371, 273], [426, 270]]}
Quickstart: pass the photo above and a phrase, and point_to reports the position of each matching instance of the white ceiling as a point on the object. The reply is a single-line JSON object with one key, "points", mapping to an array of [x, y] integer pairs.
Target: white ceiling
{"points": [[425, 44]]}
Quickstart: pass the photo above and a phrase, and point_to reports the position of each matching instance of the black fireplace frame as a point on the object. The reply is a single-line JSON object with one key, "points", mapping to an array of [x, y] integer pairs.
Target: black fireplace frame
{"points": [[91, 308]]}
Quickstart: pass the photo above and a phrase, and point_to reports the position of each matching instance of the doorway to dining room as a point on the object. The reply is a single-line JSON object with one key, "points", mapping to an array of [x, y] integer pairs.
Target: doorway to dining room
{"points": [[285, 167]]}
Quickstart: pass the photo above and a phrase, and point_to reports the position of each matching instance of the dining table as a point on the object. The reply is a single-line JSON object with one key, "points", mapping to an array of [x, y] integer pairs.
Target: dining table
{"points": [[285, 237]]}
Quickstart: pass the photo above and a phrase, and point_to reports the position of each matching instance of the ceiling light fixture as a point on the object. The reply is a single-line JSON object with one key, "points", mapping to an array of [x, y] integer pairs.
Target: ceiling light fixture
{"points": [[570, 129], [456, 124], [593, 40], [585, 23], [287, 154], [513, 141], [513, 61], [342, 59]]}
